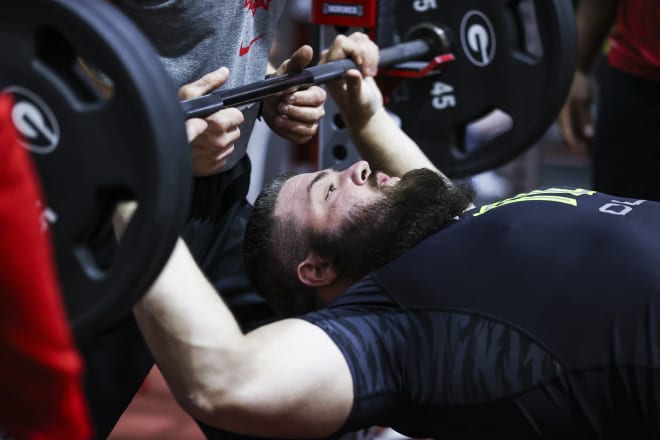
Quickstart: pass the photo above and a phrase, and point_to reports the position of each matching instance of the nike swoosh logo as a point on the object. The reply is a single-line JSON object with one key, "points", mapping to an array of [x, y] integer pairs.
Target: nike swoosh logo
{"points": [[245, 49]]}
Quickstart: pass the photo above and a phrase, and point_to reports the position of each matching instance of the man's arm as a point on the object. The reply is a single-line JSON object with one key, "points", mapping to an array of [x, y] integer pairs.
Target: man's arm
{"points": [[286, 379], [595, 19], [386, 147], [379, 140]]}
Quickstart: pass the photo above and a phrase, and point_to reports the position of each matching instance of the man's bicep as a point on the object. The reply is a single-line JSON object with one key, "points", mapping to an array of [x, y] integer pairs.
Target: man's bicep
{"points": [[299, 383]]}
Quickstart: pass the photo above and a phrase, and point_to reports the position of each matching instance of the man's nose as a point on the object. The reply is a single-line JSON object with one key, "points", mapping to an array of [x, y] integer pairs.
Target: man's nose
{"points": [[359, 172]]}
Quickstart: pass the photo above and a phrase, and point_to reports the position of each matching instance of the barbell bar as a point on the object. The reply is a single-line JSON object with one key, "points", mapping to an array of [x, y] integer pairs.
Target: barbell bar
{"points": [[431, 42]]}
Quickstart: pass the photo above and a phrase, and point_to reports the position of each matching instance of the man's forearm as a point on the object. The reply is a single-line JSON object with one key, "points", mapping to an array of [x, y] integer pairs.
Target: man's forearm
{"points": [[595, 19], [388, 148], [193, 336]]}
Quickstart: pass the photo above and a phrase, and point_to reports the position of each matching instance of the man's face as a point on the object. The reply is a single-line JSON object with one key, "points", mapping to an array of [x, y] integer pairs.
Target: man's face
{"points": [[356, 220], [361, 219], [323, 200]]}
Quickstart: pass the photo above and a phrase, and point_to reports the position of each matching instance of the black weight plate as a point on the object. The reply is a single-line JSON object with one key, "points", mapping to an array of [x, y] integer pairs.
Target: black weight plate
{"points": [[92, 150], [514, 61]]}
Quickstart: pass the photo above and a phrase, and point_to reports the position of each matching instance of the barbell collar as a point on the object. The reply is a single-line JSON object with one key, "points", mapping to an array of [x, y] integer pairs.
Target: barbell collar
{"points": [[434, 35]]}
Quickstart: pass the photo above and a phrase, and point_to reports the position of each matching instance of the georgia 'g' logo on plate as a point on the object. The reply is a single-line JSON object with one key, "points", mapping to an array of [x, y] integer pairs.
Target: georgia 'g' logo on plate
{"points": [[34, 120], [478, 38]]}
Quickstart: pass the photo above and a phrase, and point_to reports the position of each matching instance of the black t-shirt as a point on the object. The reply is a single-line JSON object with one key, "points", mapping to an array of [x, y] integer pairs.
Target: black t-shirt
{"points": [[534, 316]]}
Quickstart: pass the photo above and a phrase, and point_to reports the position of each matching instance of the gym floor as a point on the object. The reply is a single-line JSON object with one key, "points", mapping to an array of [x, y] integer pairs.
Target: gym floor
{"points": [[154, 414]]}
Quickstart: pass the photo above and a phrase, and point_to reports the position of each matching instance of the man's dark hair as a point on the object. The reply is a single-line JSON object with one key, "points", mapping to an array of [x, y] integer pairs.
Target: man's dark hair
{"points": [[420, 204], [273, 247]]}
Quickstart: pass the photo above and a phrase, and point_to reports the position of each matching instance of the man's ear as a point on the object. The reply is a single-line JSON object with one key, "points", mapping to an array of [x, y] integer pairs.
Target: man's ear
{"points": [[316, 271]]}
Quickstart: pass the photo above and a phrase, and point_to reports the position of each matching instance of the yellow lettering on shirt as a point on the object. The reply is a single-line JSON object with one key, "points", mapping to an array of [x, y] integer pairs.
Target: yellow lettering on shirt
{"points": [[540, 195]]}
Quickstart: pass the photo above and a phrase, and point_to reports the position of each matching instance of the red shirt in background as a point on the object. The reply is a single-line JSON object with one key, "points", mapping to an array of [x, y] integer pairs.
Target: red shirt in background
{"points": [[635, 42], [40, 368]]}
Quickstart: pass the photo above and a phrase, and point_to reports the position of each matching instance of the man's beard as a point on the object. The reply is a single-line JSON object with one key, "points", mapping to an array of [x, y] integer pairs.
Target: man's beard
{"points": [[420, 204]]}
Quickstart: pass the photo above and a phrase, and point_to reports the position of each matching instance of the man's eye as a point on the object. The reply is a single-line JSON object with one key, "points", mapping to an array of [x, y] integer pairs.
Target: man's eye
{"points": [[331, 188]]}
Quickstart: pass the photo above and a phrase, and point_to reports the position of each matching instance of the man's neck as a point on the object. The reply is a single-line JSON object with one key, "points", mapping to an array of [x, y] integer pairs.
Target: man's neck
{"points": [[326, 294]]}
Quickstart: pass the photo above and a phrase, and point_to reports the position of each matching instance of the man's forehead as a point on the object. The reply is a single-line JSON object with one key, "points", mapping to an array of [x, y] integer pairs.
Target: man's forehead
{"points": [[293, 191]]}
